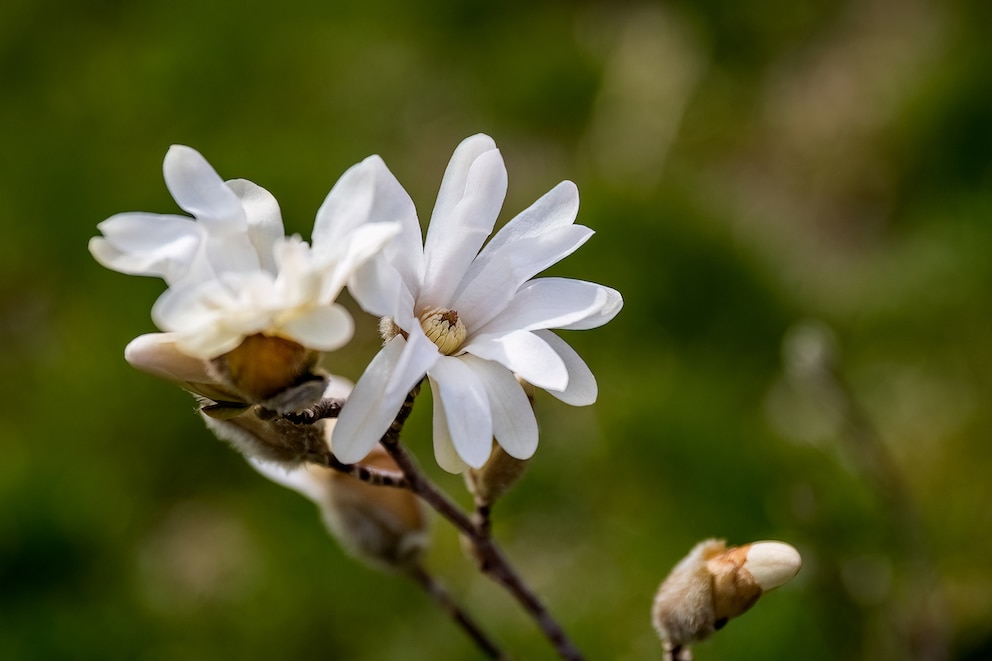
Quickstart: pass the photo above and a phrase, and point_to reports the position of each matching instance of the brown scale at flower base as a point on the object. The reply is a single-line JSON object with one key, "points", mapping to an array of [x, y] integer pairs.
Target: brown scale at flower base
{"points": [[264, 366], [714, 584]]}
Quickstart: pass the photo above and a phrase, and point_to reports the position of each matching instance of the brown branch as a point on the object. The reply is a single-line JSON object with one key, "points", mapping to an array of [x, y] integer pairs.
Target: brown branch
{"points": [[375, 476], [490, 558], [461, 618], [488, 555]]}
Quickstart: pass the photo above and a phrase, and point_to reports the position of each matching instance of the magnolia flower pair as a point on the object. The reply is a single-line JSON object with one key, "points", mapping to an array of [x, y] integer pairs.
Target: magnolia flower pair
{"points": [[471, 318]]}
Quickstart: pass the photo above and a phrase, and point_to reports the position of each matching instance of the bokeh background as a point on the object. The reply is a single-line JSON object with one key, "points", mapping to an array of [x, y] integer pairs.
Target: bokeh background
{"points": [[794, 199]]}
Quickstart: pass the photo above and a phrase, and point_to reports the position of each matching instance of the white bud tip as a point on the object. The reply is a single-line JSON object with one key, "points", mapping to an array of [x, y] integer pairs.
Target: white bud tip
{"points": [[772, 563]]}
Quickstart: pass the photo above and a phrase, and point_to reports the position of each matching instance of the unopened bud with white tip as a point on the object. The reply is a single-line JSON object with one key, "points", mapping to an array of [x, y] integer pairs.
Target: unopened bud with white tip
{"points": [[714, 584]]}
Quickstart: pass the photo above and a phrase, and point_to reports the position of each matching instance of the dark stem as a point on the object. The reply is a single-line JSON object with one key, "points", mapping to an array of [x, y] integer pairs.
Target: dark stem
{"points": [[461, 618], [376, 476], [491, 560], [329, 407]]}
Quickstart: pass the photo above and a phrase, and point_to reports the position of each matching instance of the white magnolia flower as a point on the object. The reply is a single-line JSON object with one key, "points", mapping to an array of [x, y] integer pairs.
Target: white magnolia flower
{"points": [[469, 320], [231, 271]]}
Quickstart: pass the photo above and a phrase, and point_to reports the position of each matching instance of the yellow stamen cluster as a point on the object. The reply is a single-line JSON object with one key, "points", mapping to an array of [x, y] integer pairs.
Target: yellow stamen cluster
{"points": [[444, 329]]}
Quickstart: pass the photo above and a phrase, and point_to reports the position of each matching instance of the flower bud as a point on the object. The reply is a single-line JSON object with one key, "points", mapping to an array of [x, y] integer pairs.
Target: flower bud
{"points": [[157, 354], [385, 527], [270, 370], [269, 439], [713, 584], [501, 471], [496, 476]]}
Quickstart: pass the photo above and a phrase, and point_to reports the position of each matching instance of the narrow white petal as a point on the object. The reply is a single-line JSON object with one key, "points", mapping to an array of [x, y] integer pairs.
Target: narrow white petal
{"points": [[555, 209], [380, 289], [356, 249], [456, 174], [324, 328], [209, 343], [548, 303], [486, 291], [524, 353], [610, 308], [514, 424], [471, 196], [419, 355], [148, 244], [199, 190], [368, 412], [582, 389], [231, 252], [156, 354], [368, 192], [466, 409], [264, 218], [444, 450]]}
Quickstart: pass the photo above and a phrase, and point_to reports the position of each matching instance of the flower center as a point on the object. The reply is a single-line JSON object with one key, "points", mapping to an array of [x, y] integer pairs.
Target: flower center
{"points": [[444, 329]]}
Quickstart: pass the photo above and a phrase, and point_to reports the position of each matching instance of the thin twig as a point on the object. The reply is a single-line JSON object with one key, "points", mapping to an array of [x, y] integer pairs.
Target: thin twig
{"points": [[376, 476], [461, 618], [328, 407], [491, 560]]}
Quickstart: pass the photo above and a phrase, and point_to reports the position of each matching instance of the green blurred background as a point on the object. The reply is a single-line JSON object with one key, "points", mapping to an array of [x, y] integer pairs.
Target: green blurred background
{"points": [[747, 167]]}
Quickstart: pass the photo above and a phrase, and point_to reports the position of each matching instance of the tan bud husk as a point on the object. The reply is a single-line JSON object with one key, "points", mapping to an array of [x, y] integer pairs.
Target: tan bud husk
{"points": [[264, 367], [496, 476], [387, 528], [714, 584]]}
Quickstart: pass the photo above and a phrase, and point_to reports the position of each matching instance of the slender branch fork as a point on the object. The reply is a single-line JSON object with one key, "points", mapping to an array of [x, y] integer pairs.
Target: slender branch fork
{"points": [[476, 529]]}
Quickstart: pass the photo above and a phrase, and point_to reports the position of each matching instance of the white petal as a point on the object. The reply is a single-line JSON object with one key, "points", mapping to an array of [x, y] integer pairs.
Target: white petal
{"points": [[444, 450], [582, 389], [199, 190], [148, 244], [610, 308], [324, 328], [368, 192], [471, 196], [231, 252], [210, 342], [368, 412], [548, 303], [419, 355], [466, 409], [156, 354], [264, 218], [486, 291], [379, 288], [514, 424], [555, 209], [360, 245], [525, 354]]}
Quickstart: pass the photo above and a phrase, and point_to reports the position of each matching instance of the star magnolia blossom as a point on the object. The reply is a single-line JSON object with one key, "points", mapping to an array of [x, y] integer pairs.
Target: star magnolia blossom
{"points": [[469, 320], [231, 271]]}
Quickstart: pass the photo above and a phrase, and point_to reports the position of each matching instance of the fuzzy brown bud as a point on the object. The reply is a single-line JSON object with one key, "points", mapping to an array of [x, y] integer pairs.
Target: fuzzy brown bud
{"points": [[714, 584]]}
